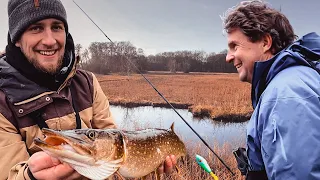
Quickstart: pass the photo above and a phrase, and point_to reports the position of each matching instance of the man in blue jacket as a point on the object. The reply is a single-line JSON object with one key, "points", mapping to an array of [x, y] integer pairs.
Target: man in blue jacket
{"points": [[283, 134]]}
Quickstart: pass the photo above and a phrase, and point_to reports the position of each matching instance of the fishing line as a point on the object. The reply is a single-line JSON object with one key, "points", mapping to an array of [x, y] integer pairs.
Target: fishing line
{"points": [[204, 142]]}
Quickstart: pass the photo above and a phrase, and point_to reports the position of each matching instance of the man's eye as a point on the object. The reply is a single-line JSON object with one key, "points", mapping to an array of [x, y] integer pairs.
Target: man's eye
{"points": [[35, 28], [58, 27], [235, 47], [231, 46]]}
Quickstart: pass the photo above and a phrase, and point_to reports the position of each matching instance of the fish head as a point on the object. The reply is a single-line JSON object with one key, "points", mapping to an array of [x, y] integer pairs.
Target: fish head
{"points": [[83, 145], [107, 143]]}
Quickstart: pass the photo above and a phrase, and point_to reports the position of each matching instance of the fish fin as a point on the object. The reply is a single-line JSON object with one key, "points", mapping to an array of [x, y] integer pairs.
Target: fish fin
{"points": [[183, 159], [99, 172], [172, 127], [157, 175]]}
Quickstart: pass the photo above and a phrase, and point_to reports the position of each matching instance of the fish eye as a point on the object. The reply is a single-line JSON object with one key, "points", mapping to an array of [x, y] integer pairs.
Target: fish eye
{"points": [[91, 134]]}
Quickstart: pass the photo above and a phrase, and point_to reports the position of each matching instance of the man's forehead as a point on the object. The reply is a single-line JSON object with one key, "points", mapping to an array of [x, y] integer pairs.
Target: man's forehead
{"points": [[235, 36], [233, 32], [49, 20], [232, 38]]}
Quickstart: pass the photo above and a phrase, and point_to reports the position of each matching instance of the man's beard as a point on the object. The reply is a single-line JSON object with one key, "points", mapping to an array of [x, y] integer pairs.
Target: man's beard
{"points": [[52, 70]]}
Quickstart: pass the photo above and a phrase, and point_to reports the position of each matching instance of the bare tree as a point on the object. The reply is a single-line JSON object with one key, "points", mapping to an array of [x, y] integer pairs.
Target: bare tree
{"points": [[172, 64], [106, 57], [78, 48]]}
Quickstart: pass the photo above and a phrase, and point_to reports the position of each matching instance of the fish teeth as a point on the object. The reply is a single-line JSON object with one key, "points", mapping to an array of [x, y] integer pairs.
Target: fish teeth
{"points": [[66, 146]]}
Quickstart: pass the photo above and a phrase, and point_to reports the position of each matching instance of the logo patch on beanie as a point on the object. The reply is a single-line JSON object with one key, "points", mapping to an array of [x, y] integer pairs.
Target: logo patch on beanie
{"points": [[36, 3]]}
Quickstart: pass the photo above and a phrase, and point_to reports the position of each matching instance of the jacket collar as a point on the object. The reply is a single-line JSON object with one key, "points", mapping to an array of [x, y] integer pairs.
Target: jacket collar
{"points": [[265, 71]]}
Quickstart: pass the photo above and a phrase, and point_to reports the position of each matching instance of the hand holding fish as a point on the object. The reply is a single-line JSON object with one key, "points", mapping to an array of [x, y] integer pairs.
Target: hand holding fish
{"points": [[42, 166], [168, 166]]}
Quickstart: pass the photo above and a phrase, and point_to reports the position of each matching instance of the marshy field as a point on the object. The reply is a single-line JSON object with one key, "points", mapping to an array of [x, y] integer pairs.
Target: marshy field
{"points": [[216, 96]]}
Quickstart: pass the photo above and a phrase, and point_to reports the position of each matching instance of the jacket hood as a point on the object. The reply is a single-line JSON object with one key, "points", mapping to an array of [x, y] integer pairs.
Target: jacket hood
{"points": [[300, 52]]}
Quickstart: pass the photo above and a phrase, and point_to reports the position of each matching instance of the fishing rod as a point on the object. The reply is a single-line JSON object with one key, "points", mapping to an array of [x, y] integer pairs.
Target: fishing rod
{"points": [[204, 142]]}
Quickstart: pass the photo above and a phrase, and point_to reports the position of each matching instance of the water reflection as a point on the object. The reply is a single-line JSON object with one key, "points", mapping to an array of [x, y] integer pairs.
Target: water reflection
{"points": [[153, 117]]}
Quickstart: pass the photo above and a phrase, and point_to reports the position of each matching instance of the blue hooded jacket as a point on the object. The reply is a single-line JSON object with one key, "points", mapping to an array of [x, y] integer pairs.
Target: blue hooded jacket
{"points": [[283, 134]]}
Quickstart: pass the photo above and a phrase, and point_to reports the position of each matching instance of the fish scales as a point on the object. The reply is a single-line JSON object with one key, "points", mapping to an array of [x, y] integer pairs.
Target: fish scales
{"points": [[146, 150]]}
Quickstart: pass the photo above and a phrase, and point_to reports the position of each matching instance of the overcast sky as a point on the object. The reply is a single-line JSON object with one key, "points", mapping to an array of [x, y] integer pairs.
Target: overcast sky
{"points": [[166, 25]]}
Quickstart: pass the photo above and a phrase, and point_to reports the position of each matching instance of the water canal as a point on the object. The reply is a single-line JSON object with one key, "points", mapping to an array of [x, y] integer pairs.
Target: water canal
{"points": [[214, 132]]}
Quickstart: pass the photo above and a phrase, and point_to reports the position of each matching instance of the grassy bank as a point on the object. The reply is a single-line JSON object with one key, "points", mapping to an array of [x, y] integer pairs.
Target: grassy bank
{"points": [[218, 96]]}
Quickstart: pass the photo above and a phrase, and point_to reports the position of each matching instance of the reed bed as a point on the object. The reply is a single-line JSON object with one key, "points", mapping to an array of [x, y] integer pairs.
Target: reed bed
{"points": [[216, 95]]}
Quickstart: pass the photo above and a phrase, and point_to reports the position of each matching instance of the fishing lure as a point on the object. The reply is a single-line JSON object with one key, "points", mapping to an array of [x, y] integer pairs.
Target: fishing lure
{"points": [[204, 165]]}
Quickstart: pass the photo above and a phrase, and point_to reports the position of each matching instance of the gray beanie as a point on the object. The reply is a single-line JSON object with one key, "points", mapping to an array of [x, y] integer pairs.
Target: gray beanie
{"points": [[23, 13]]}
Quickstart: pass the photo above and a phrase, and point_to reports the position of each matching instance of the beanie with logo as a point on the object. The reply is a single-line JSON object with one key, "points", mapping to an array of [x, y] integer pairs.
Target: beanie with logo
{"points": [[23, 13]]}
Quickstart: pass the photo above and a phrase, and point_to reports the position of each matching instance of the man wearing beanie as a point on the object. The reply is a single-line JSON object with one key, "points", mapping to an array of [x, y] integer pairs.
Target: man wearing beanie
{"points": [[40, 87]]}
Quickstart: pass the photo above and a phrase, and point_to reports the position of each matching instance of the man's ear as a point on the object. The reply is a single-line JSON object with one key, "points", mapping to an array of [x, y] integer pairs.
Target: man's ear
{"points": [[18, 44], [267, 43]]}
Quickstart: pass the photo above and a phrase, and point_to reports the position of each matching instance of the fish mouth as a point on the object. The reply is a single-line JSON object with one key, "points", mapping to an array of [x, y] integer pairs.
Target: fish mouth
{"points": [[65, 146], [52, 140]]}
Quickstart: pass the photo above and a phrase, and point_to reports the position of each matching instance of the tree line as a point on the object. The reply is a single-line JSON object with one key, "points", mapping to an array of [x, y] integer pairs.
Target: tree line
{"points": [[105, 58]]}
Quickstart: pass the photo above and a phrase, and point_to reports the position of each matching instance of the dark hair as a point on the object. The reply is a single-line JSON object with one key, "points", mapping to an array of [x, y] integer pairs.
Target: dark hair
{"points": [[255, 19]]}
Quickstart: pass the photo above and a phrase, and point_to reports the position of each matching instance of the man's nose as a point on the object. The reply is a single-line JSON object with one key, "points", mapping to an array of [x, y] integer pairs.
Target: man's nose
{"points": [[229, 57], [49, 38]]}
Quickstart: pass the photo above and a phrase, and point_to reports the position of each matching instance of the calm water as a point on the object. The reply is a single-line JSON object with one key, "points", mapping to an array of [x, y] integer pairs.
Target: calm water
{"points": [[215, 133]]}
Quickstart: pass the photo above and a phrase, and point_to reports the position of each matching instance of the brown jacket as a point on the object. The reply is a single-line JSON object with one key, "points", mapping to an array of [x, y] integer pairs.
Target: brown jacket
{"points": [[19, 97]]}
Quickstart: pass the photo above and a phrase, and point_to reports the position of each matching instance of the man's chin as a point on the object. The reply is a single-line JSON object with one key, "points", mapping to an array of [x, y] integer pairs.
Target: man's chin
{"points": [[243, 78], [50, 69]]}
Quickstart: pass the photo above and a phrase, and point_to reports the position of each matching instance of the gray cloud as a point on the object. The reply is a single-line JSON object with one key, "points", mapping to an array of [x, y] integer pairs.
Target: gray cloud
{"points": [[166, 25]]}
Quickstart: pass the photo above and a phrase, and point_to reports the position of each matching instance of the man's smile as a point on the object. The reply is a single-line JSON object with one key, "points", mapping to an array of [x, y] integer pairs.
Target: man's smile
{"points": [[47, 52], [238, 65]]}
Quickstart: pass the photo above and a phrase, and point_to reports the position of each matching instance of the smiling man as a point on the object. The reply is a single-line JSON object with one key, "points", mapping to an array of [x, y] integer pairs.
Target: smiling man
{"points": [[40, 86], [243, 53], [43, 44], [283, 137]]}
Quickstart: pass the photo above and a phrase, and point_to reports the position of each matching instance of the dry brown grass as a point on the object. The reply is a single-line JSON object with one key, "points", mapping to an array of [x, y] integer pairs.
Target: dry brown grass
{"points": [[191, 170], [220, 96]]}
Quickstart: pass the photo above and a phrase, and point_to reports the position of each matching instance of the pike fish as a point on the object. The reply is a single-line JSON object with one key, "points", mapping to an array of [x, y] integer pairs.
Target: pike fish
{"points": [[97, 154]]}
